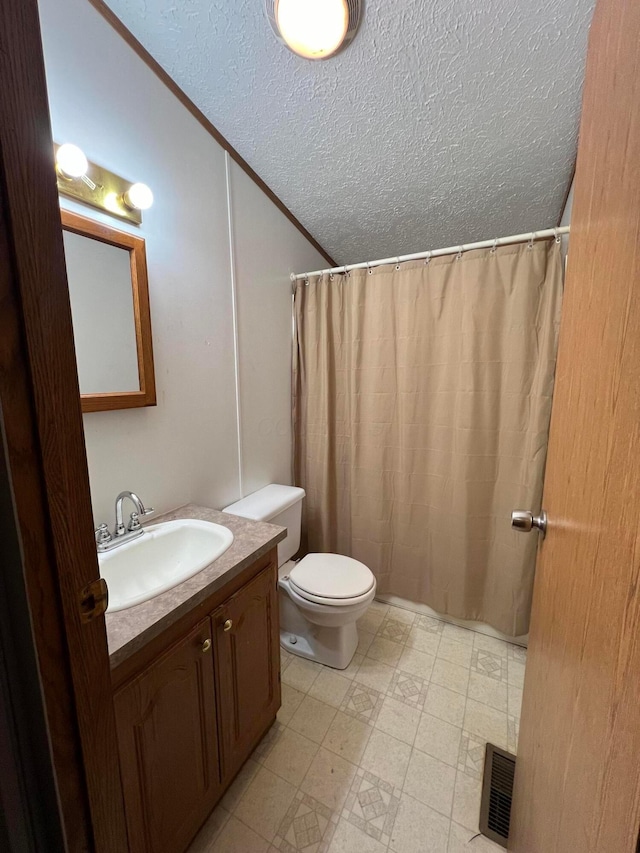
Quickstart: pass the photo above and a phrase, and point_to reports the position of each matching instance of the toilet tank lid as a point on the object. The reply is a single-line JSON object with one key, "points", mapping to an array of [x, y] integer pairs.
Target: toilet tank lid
{"points": [[266, 503]]}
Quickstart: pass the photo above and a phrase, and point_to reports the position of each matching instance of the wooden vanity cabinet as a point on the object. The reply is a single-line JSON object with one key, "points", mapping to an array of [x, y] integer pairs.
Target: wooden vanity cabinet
{"points": [[247, 645], [168, 745], [190, 717]]}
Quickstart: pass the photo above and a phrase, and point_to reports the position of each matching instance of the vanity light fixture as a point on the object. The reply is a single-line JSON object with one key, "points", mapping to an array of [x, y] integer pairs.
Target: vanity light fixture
{"points": [[314, 29], [84, 181], [138, 197], [71, 162]]}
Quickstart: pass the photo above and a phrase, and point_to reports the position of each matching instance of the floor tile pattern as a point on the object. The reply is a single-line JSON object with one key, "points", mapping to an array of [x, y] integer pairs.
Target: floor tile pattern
{"points": [[489, 664], [307, 825], [371, 805], [409, 688], [362, 702], [386, 755]]}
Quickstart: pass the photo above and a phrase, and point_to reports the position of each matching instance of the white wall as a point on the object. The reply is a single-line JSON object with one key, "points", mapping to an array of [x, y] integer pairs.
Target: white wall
{"points": [[104, 98], [566, 213], [260, 232]]}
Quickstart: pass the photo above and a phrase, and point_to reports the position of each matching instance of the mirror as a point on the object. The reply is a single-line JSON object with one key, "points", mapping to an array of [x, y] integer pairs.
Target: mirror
{"points": [[107, 275]]}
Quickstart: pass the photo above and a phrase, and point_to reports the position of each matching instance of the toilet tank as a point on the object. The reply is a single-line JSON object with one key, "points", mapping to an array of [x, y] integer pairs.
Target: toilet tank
{"points": [[276, 504]]}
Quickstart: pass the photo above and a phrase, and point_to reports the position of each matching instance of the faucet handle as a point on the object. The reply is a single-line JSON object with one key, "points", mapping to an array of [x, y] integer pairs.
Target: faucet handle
{"points": [[134, 519], [102, 534]]}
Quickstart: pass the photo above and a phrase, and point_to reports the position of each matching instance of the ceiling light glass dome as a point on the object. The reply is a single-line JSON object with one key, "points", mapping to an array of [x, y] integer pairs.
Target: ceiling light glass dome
{"points": [[314, 29]]}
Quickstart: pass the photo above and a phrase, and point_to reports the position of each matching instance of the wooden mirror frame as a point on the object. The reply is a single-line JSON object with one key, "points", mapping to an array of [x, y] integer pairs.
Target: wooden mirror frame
{"points": [[146, 396]]}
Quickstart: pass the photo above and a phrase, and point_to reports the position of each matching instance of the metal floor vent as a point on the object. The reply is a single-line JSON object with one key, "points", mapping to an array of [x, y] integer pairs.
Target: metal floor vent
{"points": [[497, 793]]}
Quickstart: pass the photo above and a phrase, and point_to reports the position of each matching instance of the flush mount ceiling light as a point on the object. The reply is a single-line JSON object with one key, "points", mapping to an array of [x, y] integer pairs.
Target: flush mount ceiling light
{"points": [[314, 29]]}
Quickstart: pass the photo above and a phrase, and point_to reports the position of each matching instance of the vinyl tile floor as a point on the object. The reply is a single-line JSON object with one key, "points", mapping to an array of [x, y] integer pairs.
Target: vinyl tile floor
{"points": [[385, 755]]}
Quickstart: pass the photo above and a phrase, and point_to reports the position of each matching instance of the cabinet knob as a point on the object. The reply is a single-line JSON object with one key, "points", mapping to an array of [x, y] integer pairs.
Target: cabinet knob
{"points": [[206, 645], [227, 625]]}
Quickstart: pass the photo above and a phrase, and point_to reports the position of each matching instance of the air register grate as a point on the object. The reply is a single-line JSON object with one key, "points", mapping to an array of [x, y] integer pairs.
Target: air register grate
{"points": [[497, 793]]}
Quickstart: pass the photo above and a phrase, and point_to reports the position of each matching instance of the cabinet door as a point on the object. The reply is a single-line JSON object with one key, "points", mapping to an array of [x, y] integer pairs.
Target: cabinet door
{"points": [[247, 642], [166, 719]]}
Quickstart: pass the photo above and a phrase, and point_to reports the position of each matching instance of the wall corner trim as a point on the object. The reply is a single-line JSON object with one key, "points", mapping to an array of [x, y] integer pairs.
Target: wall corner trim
{"points": [[567, 192], [101, 7], [236, 336]]}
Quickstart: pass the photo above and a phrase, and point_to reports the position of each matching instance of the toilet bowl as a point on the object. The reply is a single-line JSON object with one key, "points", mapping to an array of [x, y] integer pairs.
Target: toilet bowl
{"points": [[322, 595]]}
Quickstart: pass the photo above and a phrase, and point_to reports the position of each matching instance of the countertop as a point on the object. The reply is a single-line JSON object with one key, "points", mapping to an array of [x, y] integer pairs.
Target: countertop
{"points": [[129, 630]]}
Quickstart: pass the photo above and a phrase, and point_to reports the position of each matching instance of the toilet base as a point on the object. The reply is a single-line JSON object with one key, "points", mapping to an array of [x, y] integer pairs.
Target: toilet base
{"points": [[324, 634], [334, 647]]}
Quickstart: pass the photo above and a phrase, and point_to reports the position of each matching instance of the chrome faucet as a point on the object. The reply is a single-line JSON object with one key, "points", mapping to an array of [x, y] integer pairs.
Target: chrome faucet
{"points": [[134, 523], [105, 541]]}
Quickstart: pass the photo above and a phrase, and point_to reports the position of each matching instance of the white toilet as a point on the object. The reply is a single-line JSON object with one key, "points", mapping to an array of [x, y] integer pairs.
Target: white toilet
{"points": [[322, 595]]}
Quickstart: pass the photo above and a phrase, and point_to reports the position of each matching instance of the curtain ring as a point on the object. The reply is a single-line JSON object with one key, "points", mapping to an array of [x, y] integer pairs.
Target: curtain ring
{"points": [[398, 262], [557, 236], [330, 276], [494, 247], [345, 271], [427, 260], [531, 239], [459, 255], [306, 281]]}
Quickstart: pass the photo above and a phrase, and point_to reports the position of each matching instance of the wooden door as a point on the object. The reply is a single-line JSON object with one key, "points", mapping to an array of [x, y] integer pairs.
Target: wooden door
{"points": [[247, 646], [46, 463], [167, 729], [578, 771]]}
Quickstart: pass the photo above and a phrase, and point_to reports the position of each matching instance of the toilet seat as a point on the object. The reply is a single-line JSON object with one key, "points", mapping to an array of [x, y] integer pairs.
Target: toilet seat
{"points": [[331, 579]]}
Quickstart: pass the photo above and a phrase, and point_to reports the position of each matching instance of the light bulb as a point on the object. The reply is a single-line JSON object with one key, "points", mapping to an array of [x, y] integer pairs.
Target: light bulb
{"points": [[71, 161], [313, 29], [138, 197]]}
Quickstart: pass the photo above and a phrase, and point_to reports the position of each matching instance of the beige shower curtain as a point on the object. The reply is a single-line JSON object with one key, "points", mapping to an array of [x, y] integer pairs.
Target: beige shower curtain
{"points": [[422, 397]]}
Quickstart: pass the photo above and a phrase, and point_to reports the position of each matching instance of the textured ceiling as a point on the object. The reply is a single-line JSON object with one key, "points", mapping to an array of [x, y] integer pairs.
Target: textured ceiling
{"points": [[444, 121]]}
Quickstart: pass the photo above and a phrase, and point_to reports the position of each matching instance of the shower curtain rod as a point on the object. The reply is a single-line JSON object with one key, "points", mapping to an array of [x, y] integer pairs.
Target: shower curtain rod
{"points": [[436, 253]]}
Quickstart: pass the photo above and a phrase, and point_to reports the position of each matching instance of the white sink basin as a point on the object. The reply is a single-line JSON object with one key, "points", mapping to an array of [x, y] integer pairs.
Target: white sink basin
{"points": [[165, 555]]}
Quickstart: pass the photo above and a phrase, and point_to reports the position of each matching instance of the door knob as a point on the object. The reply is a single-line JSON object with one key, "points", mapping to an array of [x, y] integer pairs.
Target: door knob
{"points": [[523, 521], [227, 625], [206, 645]]}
